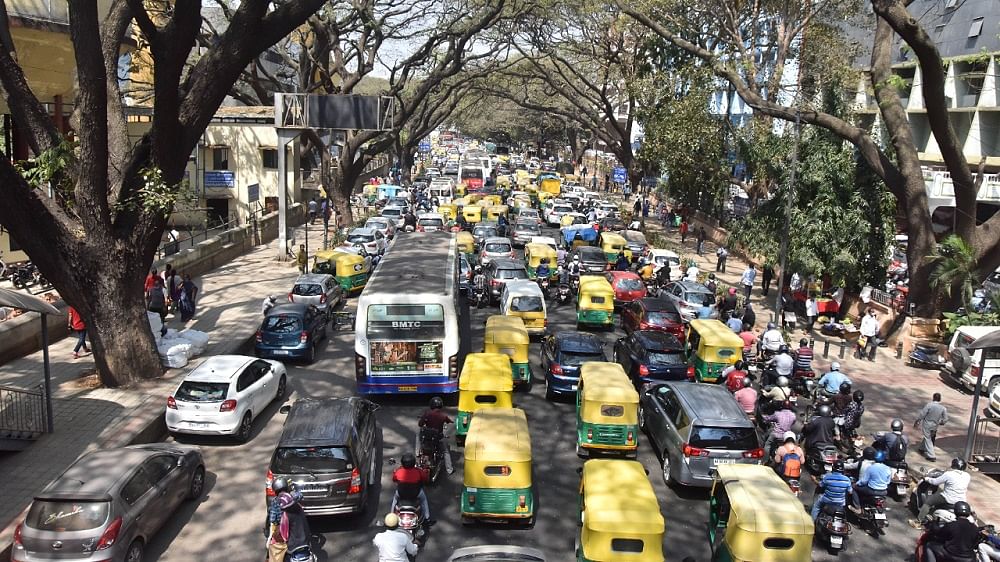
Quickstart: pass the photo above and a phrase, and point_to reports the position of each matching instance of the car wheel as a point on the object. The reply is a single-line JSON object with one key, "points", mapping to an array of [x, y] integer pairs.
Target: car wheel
{"points": [[548, 391], [246, 425], [311, 355], [282, 388], [134, 552], [197, 484], [667, 479]]}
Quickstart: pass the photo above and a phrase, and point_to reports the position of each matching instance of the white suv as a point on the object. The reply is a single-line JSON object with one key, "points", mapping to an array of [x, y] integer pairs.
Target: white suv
{"points": [[967, 364]]}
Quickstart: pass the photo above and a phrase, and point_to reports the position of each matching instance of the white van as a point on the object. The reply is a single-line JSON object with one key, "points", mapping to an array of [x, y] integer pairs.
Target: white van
{"points": [[966, 364]]}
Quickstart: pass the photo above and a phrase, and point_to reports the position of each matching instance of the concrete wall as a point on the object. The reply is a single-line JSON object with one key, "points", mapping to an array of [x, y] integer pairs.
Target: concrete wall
{"points": [[22, 335]]}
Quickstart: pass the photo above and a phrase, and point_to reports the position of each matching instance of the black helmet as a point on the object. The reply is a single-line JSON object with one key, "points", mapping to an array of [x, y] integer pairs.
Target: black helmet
{"points": [[824, 400], [783, 348], [803, 342], [437, 403], [868, 454], [770, 326], [711, 276], [838, 466], [741, 365], [896, 426], [963, 509], [279, 485], [747, 381], [408, 460], [823, 411], [845, 387], [957, 464], [859, 396]]}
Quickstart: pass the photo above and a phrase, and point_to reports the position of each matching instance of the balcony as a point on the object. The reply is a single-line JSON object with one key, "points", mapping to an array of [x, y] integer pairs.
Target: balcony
{"points": [[41, 11], [940, 187]]}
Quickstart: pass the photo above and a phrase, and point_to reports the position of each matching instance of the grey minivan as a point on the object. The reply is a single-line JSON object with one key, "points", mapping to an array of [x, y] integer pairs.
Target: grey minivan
{"points": [[330, 448], [109, 504], [695, 427]]}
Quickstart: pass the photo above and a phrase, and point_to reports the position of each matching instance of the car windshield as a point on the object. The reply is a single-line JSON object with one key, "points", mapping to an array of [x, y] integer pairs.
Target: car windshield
{"points": [[699, 298], [562, 209], [732, 438], [526, 304], [377, 225], [592, 254], [661, 318], [512, 274], [296, 460], [667, 357], [660, 260], [629, 284], [361, 238], [528, 228], [307, 289], [485, 232], [391, 212], [67, 515], [576, 358], [497, 248], [431, 222], [282, 324], [529, 213], [192, 391]]}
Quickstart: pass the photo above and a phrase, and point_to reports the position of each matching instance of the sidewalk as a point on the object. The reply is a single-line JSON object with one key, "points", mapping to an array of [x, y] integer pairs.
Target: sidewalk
{"points": [[892, 388], [86, 417]]}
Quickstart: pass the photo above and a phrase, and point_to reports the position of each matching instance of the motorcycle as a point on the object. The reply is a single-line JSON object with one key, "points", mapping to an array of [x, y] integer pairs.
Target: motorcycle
{"points": [[920, 554], [411, 519], [301, 554], [832, 527], [820, 461], [926, 357], [430, 457], [544, 283], [23, 276], [924, 491], [478, 295], [900, 480], [563, 294], [873, 514]]}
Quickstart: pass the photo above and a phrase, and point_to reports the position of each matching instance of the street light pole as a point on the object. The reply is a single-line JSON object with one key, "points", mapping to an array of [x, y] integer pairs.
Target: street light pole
{"points": [[779, 300]]}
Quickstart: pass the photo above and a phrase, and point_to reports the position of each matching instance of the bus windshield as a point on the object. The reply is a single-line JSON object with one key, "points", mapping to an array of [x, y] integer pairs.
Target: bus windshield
{"points": [[472, 174]]}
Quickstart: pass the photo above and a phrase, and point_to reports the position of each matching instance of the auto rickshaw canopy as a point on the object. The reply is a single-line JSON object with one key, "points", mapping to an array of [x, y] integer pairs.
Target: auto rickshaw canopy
{"points": [[486, 372], [619, 504], [596, 286], [717, 343], [466, 243], [507, 335], [602, 385]]}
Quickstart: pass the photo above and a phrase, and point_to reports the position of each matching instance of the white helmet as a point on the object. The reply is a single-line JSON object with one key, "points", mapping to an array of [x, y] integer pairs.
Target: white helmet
{"points": [[788, 435], [576, 258], [783, 381], [835, 366]]}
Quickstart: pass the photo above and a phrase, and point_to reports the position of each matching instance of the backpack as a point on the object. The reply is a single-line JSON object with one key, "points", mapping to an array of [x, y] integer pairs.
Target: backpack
{"points": [[791, 465], [897, 450]]}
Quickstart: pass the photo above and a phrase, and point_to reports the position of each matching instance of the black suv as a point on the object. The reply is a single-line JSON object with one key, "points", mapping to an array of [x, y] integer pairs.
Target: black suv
{"points": [[651, 355], [331, 449], [592, 259], [561, 357]]}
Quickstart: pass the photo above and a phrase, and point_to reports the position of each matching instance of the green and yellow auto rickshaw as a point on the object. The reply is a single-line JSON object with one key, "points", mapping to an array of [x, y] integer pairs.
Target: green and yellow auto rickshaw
{"points": [[595, 302], [485, 383], [350, 270], [607, 411], [497, 479], [508, 335], [711, 346], [619, 515]]}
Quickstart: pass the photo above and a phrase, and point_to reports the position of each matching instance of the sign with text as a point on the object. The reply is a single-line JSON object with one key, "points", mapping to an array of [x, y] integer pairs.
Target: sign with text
{"points": [[618, 175], [220, 178], [253, 192], [425, 146]]}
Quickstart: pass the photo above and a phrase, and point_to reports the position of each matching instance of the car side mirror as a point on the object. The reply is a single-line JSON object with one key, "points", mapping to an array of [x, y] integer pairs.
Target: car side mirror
{"points": [[180, 462], [285, 409]]}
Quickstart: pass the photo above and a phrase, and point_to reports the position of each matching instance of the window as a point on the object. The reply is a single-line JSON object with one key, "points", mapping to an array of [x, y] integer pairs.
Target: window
{"points": [[500, 470], [597, 300], [486, 399], [976, 28], [191, 391], [626, 545], [777, 543], [159, 466], [136, 487], [612, 410], [68, 516], [269, 158], [220, 158], [950, 3]]}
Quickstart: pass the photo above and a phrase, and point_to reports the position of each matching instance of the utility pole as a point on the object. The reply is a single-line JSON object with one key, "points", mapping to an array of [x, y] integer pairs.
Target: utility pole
{"points": [[779, 298]]}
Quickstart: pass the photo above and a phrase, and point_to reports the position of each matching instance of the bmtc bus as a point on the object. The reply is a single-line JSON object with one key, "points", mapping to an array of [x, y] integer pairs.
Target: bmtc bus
{"points": [[406, 334]]}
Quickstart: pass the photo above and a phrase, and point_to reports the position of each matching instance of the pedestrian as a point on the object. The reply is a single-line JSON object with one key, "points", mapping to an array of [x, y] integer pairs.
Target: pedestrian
{"points": [[79, 328], [607, 182], [765, 279], [670, 219], [645, 208], [701, 240], [812, 311], [749, 274], [684, 230], [869, 330], [720, 263], [637, 207], [302, 259], [172, 283], [327, 214], [932, 416], [313, 206], [150, 282], [157, 299], [749, 316], [188, 298]]}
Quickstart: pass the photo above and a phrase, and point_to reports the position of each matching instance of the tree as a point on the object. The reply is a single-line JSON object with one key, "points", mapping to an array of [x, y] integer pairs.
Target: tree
{"points": [[95, 238], [954, 273], [728, 57]]}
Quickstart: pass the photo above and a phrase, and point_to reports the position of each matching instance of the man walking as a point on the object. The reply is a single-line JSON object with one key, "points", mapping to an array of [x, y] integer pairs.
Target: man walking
{"points": [[79, 328], [313, 206], [720, 263], [932, 416], [684, 230], [766, 277], [302, 259], [749, 274], [701, 240], [812, 311]]}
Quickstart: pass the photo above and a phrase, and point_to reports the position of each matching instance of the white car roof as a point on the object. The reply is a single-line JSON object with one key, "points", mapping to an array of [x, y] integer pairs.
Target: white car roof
{"points": [[655, 252], [547, 240], [362, 231], [978, 331], [219, 368], [380, 220], [430, 216], [521, 288]]}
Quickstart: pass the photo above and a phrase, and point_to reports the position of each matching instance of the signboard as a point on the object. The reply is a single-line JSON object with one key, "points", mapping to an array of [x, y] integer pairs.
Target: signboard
{"points": [[425, 146], [253, 193], [618, 175], [220, 178], [374, 113]]}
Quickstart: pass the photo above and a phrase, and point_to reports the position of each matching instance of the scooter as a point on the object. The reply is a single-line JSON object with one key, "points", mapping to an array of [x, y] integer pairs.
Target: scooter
{"points": [[820, 461], [832, 527], [873, 514], [430, 458], [926, 357], [900, 480], [478, 295], [411, 520], [924, 491], [544, 283], [563, 295]]}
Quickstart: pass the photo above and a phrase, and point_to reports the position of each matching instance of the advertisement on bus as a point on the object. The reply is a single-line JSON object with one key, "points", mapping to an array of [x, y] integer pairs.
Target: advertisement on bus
{"points": [[406, 339]]}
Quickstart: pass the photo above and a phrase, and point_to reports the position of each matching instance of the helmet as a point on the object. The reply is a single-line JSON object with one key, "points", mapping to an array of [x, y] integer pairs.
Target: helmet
{"points": [[741, 365], [824, 400], [835, 366], [711, 276], [963, 509], [576, 258], [788, 435], [896, 426], [783, 381], [803, 342], [838, 466], [845, 387], [479, 269], [783, 348], [823, 411], [859, 396], [958, 464], [391, 520], [408, 460], [545, 260], [437, 403], [285, 500], [272, 298], [279, 485], [747, 381], [868, 454], [771, 326]]}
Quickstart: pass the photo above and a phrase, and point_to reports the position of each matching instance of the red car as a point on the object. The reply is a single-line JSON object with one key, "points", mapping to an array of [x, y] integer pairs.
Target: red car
{"points": [[628, 286], [653, 314]]}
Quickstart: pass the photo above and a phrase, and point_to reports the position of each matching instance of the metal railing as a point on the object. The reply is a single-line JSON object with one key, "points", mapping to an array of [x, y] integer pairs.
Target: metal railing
{"points": [[22, 413], [194, 235], [986, 445]]}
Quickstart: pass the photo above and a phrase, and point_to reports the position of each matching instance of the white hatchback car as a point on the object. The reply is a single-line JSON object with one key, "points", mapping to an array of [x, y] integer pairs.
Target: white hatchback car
{"points": [[224, 394]]}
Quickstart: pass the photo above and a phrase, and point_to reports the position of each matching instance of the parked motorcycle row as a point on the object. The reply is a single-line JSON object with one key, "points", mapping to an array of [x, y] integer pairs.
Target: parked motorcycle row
{"points": [[23, 276]]}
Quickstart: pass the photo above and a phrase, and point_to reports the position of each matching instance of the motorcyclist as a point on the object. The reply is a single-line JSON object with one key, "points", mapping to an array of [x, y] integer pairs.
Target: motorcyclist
{"points": [[410, 482], [621, 264], [747, 397], [835, 488], [409, 220], [853, 412], [873, 482], [574, 266], [278, 486], [296, 534], [820, 431], [663, 274], [788, 447], [842, 399], [953, 541], [782, 363], [434, 418], [803, 356], [734, 376], [772, 339], [394, 544], [954, 486], [543, 271], [561, 256], [780, 392], [646, 271], [830, 382], [269, 302], [711, 283], [781, 422], [894, 444]]}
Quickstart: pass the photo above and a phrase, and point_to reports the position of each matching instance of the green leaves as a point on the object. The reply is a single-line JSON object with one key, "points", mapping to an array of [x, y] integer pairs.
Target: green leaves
{"points": [[954, 269]]}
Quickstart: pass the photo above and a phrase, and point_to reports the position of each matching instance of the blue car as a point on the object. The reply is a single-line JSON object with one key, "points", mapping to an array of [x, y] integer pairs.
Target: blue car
{"points": [[562, 355], [291, 331]]}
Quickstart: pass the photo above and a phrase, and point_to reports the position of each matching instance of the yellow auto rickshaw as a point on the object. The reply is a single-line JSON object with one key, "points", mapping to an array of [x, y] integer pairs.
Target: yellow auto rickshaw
{"points": [[350, 270], [612, 244], [473, 214], [711, 346], [485, 382], [496, 211], [448, 211], [595, 302], [619, 516], [503, 181], [607, 411], [544, 196], [466, 244], [521, 202], [460, 202], [551, 185], [491, 200], [473, 198], [533, 255], [497, 481], [753, 516], [508, 335]]}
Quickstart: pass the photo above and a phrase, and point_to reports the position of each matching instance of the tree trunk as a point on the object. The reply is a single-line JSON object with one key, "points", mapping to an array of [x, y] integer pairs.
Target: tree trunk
{"points": [[406, 162], [341, 198]]}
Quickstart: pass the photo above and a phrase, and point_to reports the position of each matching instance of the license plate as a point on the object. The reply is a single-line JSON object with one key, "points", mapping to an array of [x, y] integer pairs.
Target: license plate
{"points": [[836, 541], [520, 509], [725, 461], [281, 352], [879, 516], [409, 388], [312, 487], [573, 388]]}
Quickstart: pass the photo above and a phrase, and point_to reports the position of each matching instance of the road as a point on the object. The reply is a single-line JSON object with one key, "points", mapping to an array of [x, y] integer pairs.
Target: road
{"points": [[226, 523]]}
